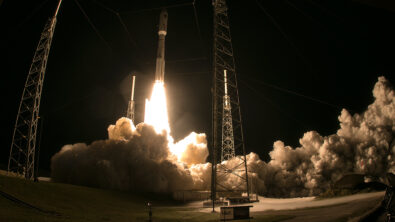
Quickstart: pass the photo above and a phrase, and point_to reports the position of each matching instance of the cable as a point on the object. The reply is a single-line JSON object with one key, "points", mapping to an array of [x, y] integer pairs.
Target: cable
{"points": [[204, 49], [188, 73], [126, 30], [187, 60], [156, 8], [20, 24], [93, 26], [284, 34], [297, 94], [272, 103], [197, 22], [327, 11], [131, 40], [105, 7], [35, 10], [306, 15], [181, 60]]}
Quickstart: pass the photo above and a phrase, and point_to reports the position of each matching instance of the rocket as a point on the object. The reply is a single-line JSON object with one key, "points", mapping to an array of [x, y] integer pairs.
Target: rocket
{"points": [[160, 58], [131, 108]]}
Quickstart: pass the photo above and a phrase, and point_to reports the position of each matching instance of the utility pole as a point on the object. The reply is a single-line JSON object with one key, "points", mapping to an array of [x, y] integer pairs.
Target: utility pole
{"points": [[23, 145], [130, 112], [227, 138]]}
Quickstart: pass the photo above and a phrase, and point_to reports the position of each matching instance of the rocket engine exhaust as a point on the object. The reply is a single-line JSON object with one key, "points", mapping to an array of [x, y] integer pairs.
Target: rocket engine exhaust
{"points": [[160, 58]]}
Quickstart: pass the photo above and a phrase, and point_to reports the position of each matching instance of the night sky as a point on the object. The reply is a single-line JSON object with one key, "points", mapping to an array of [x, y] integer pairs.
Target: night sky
{"points": [[299, 62]]}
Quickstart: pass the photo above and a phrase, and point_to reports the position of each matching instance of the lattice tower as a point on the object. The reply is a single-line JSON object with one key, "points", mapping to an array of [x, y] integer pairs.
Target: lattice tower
{"points": [[228, 145], [223, 60], [23, 145]]}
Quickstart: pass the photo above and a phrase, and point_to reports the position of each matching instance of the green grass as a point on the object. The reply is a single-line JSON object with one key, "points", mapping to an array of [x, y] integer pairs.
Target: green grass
{"points": [[78, 203]]}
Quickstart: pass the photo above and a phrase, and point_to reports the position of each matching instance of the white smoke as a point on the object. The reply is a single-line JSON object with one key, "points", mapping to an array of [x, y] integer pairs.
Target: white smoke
{"points": [[137, 158], [363, 144], [194, 149], [133, 158]]}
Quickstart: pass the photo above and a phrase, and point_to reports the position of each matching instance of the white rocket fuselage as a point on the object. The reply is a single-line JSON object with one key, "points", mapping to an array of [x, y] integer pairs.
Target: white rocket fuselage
{"points": [[160, 58]]}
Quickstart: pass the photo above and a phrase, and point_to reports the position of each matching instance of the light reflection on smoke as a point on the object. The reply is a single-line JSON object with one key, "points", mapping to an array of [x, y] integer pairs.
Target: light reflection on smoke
{"points": [[145, 158]]}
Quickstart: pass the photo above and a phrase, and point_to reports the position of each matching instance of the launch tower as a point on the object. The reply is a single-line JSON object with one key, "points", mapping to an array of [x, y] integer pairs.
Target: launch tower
{"points": [[227, 131], [23, 145], [228, 144]]}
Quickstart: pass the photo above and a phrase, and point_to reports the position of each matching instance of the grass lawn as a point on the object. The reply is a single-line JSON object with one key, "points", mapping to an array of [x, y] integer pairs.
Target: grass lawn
{"points": [[78, 203]]}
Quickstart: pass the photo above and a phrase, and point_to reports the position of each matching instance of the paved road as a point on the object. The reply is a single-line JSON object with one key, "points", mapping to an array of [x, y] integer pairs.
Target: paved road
{"points": [[334, 209], [309, 209]]}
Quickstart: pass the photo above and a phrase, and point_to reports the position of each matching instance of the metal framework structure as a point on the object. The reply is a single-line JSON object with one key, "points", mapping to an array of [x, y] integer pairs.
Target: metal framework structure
{"points": [[226, 123], [228, 144], [23, 145], [130, 112]]}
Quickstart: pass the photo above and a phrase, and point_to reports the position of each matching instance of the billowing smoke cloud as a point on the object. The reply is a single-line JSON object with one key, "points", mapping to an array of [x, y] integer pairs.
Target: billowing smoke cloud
{"points": [[194, 149], [363, 144], [137, 158], [131, 159]]}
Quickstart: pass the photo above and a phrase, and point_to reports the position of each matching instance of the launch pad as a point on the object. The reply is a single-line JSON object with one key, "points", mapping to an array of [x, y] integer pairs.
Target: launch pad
{"points": [[227, 139]]}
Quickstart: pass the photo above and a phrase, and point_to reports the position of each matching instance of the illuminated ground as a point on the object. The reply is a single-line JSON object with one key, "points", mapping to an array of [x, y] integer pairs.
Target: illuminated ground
{"points": [[277, 204], [63, 202], [348, 208], [344, 208]]}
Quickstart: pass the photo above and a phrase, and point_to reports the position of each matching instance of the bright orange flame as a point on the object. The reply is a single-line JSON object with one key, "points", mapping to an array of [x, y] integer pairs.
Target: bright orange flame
{"points": [[156, 109]]}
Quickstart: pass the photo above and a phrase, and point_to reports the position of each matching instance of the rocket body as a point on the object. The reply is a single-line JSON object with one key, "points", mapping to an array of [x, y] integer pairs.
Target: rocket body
{"points": [[160, 57]]}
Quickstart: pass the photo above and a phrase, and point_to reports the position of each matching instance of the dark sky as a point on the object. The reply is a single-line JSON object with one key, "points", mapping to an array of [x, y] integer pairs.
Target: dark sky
{"points": [[331, 51]]}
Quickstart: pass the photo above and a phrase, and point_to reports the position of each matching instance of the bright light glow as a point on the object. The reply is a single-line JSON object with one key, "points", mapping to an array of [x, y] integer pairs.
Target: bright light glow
{"points": [[156, 115], [179, 148], [156, 109]]}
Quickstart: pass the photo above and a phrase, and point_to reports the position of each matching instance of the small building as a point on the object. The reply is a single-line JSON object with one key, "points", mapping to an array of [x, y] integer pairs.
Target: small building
{"points": [[235, 213]]}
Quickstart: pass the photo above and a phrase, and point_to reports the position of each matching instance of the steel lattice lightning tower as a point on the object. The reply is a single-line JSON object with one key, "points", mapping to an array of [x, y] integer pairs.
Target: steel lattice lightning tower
{"points": [[228, 144], [130, 112], [23, 146], [227, 122]]}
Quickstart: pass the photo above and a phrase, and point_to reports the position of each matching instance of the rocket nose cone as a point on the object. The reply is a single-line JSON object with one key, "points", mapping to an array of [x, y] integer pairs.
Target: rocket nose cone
{"points": [[163, 20], [163, 15]]}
